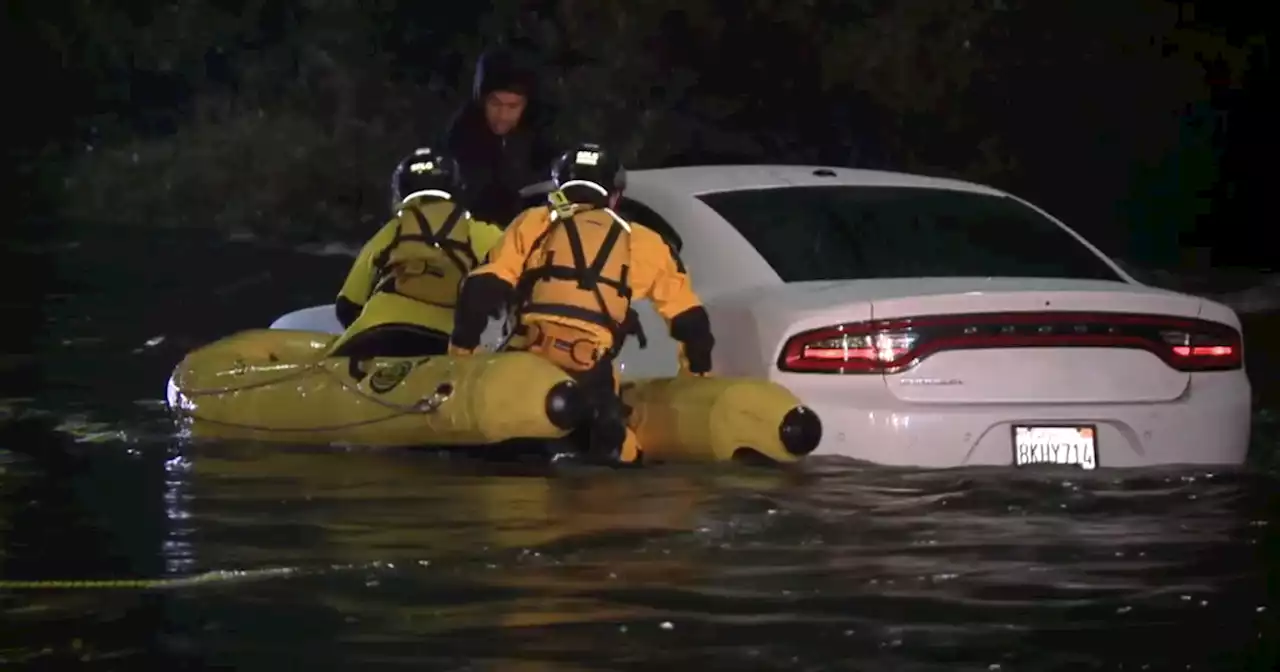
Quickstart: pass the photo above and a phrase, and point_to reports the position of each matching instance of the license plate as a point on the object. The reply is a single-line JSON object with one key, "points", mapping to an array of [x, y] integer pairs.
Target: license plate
{"points": [[1072, 445]]}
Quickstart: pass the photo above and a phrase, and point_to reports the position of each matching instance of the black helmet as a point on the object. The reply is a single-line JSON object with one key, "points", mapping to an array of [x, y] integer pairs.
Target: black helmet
{"points": [[428, 170], [591, 166]]}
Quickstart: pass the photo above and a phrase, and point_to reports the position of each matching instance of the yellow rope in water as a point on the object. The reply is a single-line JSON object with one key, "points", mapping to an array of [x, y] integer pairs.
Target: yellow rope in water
{"points": [[147, 584]]}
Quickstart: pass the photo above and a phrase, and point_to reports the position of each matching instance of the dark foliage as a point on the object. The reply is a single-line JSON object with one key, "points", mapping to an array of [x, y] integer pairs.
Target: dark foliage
{"points": [[285, 116]]}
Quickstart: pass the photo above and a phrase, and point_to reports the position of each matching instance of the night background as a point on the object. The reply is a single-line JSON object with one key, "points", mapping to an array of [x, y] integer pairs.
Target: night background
{"points": [[148, 141], [1141, 124]]}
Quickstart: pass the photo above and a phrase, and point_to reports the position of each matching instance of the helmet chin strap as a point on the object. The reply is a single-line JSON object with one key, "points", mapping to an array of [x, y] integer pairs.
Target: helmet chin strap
{"points": [[626, 226], [438, 193], [585, 183], [444, 195]]}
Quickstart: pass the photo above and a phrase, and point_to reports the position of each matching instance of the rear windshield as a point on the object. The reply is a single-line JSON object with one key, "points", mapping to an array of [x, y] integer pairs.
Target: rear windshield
{"points": [[854, 232]]}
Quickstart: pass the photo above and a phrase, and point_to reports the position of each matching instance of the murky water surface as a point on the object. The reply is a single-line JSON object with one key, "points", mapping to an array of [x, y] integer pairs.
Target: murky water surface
{"points": [[247, 557]]}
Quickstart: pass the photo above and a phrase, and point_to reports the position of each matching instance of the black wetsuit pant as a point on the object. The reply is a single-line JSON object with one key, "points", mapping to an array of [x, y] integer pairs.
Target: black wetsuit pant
{"points": [[601, 437]]}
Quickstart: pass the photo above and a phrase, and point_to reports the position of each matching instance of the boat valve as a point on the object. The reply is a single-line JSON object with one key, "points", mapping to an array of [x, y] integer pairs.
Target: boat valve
{"points": [[800, 431], [566, 406], [433, 403]]}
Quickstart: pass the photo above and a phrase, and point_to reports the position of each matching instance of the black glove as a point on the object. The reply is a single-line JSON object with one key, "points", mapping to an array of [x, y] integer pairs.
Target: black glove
{"points": [[693, 329]]}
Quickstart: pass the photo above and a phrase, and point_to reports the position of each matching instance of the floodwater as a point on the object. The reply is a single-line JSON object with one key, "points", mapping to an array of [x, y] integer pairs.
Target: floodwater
{"points": [[245, 557]]}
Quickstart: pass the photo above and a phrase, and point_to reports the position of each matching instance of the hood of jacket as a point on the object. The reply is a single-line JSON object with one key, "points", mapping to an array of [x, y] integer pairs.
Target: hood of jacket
{"points": [[496, 168], [503, 69], [506, 69]]}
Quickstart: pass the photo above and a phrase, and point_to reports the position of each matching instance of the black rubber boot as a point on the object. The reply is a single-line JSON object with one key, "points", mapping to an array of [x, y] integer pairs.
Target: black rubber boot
{"points": [[607, 432]]}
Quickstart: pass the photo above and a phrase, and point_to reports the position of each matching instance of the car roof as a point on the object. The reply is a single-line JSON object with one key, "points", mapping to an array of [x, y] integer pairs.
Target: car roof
{"points": [[695, 180]]}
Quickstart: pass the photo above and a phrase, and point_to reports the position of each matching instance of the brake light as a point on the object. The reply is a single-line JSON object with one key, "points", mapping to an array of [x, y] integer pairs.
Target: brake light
{"points": [[1198, 351], [848, 350], [890, 346]]}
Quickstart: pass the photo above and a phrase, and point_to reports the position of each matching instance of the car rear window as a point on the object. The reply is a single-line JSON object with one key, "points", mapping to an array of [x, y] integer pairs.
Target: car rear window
{"points": [[855, 232]]}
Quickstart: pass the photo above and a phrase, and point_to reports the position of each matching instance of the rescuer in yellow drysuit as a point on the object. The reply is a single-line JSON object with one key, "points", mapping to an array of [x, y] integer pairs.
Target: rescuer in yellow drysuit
{"points": [[399, 297], [571, 270]]}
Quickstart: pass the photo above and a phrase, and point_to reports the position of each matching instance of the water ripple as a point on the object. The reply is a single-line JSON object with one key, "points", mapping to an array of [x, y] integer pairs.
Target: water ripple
{"points": [[397, 560]]}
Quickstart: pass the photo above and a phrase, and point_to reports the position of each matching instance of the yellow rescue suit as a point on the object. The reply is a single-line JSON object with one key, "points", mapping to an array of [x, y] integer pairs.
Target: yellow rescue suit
{"points": [[408, 274], [574, 271]]}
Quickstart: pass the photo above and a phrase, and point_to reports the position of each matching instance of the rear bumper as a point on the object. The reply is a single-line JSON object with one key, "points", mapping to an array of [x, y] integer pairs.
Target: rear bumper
{"points": [[1209, 424]]}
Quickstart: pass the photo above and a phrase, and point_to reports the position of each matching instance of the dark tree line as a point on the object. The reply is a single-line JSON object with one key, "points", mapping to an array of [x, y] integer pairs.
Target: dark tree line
{"points": [[1136, 121]]}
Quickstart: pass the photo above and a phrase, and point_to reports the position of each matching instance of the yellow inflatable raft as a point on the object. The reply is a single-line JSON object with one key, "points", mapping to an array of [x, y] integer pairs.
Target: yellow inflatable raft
{"points": [[689, 419], [281, 385]]}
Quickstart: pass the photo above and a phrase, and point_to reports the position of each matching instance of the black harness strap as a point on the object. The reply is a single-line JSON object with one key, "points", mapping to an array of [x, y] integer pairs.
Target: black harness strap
{"points": [[579, 254], [453, 249], [440, 239], [589, 276], [597, 265]]}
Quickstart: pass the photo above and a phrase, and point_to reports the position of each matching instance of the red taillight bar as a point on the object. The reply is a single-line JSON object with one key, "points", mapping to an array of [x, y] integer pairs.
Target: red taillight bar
{"points": [[890, 346]]}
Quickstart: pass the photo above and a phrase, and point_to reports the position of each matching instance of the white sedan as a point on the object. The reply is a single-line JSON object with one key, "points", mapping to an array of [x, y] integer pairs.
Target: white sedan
{"points": [[937, 323]]}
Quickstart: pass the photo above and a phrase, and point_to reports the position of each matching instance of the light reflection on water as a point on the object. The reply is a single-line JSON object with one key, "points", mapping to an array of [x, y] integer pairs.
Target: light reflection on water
{"points": [[365, 560], [178, 552], [383, 559]]}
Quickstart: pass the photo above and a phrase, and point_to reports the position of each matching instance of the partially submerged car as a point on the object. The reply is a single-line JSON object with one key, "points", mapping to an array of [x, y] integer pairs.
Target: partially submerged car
{"points": [[937, 323]]}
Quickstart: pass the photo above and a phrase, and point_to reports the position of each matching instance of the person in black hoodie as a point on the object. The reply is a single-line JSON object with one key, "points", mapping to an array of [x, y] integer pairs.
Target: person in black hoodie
{"points": [[499, 138]]}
